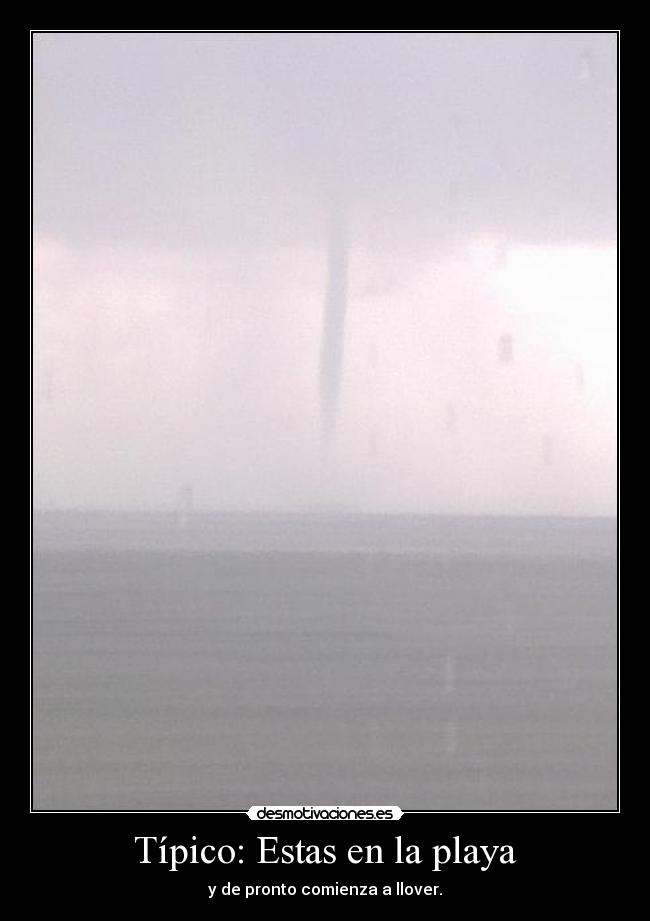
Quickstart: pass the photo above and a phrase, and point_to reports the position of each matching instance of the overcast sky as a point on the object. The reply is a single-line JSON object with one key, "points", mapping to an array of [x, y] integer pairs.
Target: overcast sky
{"points": [[183, 192]]}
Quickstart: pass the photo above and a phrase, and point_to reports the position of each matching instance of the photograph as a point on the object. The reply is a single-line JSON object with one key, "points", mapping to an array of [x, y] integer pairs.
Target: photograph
{"points": [[324, 403]]}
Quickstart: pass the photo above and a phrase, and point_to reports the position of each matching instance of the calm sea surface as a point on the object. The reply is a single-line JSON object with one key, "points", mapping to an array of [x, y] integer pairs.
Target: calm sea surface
{"points": [[240, 659]]}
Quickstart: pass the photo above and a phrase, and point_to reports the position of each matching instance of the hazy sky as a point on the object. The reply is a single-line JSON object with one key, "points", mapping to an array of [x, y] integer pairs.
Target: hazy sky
{"points": [[183, 188]]}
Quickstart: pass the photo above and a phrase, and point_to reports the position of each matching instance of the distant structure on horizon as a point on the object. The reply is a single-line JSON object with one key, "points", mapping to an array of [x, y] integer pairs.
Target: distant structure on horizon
{"points": [[331, 356], [506, 350], [187, 506]]}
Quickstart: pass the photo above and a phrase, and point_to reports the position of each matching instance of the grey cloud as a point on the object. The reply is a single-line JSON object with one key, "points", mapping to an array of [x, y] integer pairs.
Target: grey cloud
{"points": [[235, 139]]}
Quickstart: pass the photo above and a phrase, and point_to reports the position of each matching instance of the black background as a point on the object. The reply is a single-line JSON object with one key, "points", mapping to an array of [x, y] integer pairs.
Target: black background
{"points": [[88, 860]]}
